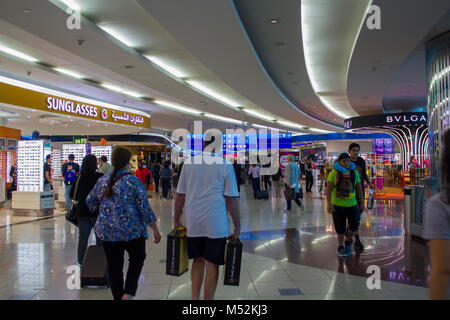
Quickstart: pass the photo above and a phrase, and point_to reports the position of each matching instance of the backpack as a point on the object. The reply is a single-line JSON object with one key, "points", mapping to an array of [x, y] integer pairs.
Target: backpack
{"points": [[345, 184], [70, 175]]}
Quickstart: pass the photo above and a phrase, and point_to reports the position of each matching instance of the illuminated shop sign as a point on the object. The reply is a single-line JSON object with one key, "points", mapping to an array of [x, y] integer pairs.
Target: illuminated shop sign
{"points": [[391, 119], [23, 95]]}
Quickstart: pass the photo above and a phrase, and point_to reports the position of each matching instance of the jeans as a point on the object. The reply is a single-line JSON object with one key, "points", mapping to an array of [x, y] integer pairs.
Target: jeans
{"points": [[165, 184], [67, 189], [309, 181], [255, 184], [114, 252], [85, 225]]}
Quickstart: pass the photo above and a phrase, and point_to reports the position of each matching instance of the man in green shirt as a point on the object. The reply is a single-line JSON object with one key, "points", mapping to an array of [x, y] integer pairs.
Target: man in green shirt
{"points": [[344, 185]]}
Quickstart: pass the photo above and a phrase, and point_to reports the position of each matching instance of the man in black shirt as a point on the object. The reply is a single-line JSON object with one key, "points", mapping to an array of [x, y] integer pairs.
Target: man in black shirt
{"points": [[48, 173], [309, 174], [360, 164], [156, 175], [69, 171]]}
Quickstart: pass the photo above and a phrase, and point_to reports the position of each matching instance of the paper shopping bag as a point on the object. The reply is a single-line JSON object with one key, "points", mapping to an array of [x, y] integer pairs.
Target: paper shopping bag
{"points": [[233, 257], [177, 260]]}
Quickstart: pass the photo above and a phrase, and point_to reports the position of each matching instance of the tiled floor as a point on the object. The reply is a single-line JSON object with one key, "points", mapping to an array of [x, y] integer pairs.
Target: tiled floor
{"points": [[287, 255]]}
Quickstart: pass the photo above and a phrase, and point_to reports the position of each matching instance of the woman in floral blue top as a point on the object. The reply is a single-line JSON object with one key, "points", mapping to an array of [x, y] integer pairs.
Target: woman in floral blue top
{"points": [[124, 215]]}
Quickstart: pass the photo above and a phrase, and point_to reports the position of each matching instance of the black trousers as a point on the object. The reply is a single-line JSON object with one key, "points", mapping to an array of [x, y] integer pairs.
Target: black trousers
{"points": [[156, 179], [267, 182], [114, 252], [165, 184], [309, 181]]}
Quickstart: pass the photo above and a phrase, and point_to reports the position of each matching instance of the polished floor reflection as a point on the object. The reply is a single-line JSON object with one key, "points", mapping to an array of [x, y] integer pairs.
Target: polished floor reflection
{"points": [[287, 255]]}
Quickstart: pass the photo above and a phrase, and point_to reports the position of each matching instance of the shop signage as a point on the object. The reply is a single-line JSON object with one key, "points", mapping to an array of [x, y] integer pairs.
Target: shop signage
{"points": [[391, 119], [80, 141], [22, 97]]}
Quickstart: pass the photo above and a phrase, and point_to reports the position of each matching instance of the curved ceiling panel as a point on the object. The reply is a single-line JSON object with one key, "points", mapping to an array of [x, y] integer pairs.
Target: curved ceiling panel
{"points": [[379, 55], [274, 32], [330, 29]]}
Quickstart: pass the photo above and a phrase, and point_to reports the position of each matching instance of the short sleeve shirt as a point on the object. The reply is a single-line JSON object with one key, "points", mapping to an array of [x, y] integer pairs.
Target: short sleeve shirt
{"points": [[205, 186], [437, 219], [47, 168], [350, 201]]}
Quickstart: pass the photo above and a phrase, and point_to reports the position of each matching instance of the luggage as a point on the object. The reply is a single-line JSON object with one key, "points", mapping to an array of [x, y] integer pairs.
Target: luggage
{"points": [[262, 194], [94, 271], [177, 260], [233, 257]]}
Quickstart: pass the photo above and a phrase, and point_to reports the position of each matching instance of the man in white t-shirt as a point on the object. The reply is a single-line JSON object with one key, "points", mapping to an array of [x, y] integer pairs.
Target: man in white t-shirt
{"points": [[255, 172], [207, 192]]}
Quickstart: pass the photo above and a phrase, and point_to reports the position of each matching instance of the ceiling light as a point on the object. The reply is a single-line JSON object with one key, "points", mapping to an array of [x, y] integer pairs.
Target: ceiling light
{"points": [[166, 67], [69, 73], [17, 54], [132, 93], [319, 130], [111, 87], [116, 35], [265, 127], [213, 94], [257, 114], [274, 20], [178, 107], [224, 119], [71, 4], [290, 124]]}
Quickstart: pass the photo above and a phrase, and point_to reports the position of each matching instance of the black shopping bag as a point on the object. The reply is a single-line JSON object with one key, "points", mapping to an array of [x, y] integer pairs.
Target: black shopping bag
{"points": [[233, 257], [177, 260]]}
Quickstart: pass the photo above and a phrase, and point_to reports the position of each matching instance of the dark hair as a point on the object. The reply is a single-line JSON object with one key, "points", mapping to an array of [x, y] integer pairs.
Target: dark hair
{"points": [[120, 158], [167, 164], [89, 165], [343, 156], [104, 158], [353, 145], [49, 156], [71, 156], [445, 164]]}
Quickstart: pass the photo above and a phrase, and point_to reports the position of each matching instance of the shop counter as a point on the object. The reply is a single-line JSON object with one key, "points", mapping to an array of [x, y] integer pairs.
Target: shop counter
{"points": [[33, 204]]}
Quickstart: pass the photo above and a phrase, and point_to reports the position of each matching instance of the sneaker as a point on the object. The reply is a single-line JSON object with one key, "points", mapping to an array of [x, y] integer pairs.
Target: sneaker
{"points": [[341, 252], [348, 248], [358, 244]]}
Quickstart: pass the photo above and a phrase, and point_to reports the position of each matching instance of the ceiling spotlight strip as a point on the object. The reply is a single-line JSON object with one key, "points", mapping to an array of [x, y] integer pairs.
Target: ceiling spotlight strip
{"points": [[71, 4], [177, 107], [69, 73], [329, 79], [290, 124], [213, 94], [175, 72], [223, 119], [116, 34], [17, 54], [258, 115]]}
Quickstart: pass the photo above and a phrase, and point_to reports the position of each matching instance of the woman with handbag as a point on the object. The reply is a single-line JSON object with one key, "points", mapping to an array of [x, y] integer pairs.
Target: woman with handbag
{"points": [[124, 215], [86, 219], [292, 182]]}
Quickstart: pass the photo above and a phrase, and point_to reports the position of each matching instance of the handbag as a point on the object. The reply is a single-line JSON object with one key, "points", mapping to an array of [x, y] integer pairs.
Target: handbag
{"points": [[72, 215], [289, 193]]}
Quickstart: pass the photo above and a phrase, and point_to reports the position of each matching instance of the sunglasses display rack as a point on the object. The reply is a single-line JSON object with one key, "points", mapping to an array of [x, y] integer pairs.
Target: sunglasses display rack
{"points": [[30, 166], [100, 151], [56, 162], [78, 150]]}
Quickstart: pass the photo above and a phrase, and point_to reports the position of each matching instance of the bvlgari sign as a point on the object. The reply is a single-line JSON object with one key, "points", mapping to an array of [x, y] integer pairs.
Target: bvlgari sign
{"points": [[389, 119]]}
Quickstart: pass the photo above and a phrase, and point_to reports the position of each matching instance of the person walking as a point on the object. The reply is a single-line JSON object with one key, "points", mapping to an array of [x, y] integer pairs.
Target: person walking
{"points": [[48, 173], [302, 165], [166, 175], [309, 174], [124, 215], [105, 167], [207, 190], [156, 175], [276, 178], [69, 171], [144, 175], [255, 173], [13, 176], [343, 202], [83, 185], [266, 178], [238, 172], [360, 167], [437, 230], [292, 180], [322, 175]]}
